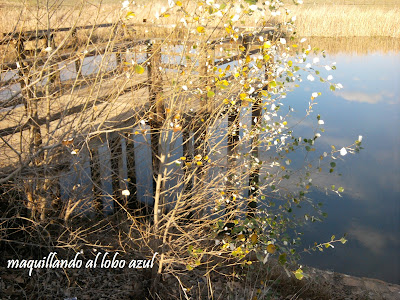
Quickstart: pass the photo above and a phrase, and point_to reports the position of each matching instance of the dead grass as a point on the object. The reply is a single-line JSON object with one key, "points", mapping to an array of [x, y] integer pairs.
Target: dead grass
{"points": [[355, 45], [315, 18], [348, 21]]}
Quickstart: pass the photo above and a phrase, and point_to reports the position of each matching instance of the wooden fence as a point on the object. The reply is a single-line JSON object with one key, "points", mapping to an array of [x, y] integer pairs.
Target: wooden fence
{"points": [[118, 136]]}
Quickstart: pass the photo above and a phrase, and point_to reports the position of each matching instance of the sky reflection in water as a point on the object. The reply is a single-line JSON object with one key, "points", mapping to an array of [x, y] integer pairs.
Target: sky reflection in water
{"points": [[369, 105]]}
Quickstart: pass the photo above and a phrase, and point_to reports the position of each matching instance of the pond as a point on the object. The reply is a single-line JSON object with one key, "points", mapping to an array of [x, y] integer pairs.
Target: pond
{"points": [[368, 211]]}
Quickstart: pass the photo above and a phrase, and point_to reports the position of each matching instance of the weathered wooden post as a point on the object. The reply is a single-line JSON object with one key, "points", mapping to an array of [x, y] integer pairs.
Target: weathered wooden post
{"points": [[118, 57], [233, 137], [96, 180], [116, 159], [256, 115], [157, 117], [78, 60], [55, 74], [186, 147], [35, 136], [133, 202], [207, 62]]}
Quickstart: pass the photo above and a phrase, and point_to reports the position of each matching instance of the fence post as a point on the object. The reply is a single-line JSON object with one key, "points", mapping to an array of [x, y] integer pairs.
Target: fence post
{"points": [[96, 180], [37, 204], [254, 152], [118, 57], [133, 202], [78, 61], [186, 147], [233, 142], [116, 158], [207, 62], [157, 117]]}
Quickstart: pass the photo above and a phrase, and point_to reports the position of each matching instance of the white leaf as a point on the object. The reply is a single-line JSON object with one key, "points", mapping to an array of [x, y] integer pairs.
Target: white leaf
{"points": [[235, 18], [315, 60], [310, 77], [321, 122], [125, 193], [265, 259], [343, 151], [360, 138]]}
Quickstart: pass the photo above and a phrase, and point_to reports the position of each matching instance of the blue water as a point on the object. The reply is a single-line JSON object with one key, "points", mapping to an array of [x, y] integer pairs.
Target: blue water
{"points": [[369, 211]]}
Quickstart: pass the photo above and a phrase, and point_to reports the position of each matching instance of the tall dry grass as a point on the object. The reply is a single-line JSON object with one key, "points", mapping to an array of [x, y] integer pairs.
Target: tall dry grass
{"points": [[348, 20], [345, 18]]}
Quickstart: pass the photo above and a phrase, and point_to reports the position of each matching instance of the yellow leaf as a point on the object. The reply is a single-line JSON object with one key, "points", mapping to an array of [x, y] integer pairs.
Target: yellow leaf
{"points": [[199, 163], [299, 274], [179, 3], [129, 15], [200, 29], [183, 158], [271, 248], [139, 69], [254, 238]]}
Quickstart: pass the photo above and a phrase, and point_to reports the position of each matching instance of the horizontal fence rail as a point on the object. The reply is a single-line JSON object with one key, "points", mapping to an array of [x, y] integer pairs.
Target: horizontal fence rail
{"points": [[122, 149]]}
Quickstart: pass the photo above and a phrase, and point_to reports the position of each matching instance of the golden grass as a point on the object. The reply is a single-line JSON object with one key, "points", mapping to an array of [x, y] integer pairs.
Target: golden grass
{"points": [[355, 45], [322, 19], [348, 20]]}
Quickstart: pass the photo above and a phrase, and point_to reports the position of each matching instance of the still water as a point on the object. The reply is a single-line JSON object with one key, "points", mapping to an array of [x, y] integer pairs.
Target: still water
{"points": [[368, 211]]}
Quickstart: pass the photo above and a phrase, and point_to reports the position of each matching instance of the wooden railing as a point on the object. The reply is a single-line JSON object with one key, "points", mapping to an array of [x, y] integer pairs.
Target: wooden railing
{"points": [[154, 84]]}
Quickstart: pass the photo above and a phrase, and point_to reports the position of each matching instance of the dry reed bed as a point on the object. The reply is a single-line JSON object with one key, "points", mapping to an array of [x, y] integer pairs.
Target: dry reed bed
{"points": [[347, 20], [312, 20], [355, 45]]}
